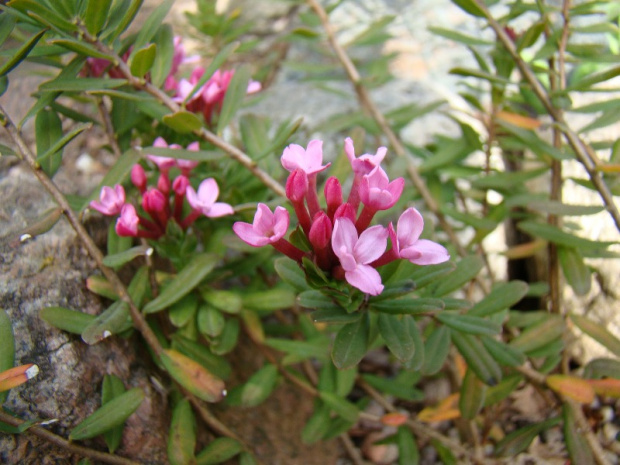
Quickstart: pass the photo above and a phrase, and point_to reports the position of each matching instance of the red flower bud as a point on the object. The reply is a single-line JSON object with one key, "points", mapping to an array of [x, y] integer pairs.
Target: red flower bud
{"points": [[320, 231]]}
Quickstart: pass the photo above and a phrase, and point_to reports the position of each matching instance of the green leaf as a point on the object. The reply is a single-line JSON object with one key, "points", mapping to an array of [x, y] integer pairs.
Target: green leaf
{"points": [[143, 60], [41, 13], [227, 301], [408, 453], [317, 425], [269, 300], [408, 305], [540, 334], [397, 334], [477, 358], [121, 18], [163, 59], [469, 72], [182, 436], [436, 349], [315, 300], [470, 6], [334, 316], [501, 391], [557, 236], [602, 368], [459, 36], [503, 353], [425, 275], [48, 129], [183, 311], [403, 389], [351, 343], [182, 122], [65, 319], [151, 25], [7, 347], [112, 387], [219, 450], [126, 256], [259, 387], [228, 339], [81, 84], [507, 181], [594, 78], [341, 406], [199, 155], [201, 354], [518, 441], [578, 448], [7, 24], [96, 15], [466, 270], [23, 51], [114, 320], [184, 282], [469, 324], [576, 272], [502, 296], [56, 149], [210, 321], [472, 396], [44, 222], [108, 416], [235, 95], [302, 350], [597, 332], [80, 47]]}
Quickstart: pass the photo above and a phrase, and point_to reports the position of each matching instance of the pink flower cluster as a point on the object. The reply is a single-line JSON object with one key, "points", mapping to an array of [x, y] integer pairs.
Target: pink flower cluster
{"points": [[342, 240], [165, 201]]}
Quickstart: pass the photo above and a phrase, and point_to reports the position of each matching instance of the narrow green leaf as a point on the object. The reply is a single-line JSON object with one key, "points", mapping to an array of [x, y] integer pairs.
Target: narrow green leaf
{"points": [[210, 321], [108, 416], [65, 319], [182, 122], [408, 453], [23, 51], [540, 334], [183, 311], [219, 450], [7, 347], [556, 235], [470, 6], [469, 324], [334, 316], [46, 221], [597, 332], [341, 406], [7, 24], [465, 271], [602, 368], [587, 82], [470, 72], [290, 272], [199, 155], [227, 301], [317, 425], [79, 47], [503, 353], [396, 333], [64, 140], [477, 358], [576, 272], [316, 300], [112, 388], [228, 339], [235, 95], [518, 441], [501, 391], [182, 436], [576, 444], [143, 60], [81, 84], [507, 181], [395, 387], [48, 129], [123, 16], [502, 296], [473, 392], [436, 349], [42, 13], [163, 59], [96, 15], [126, 256], [426, 275], [269, 300], [184, 282], [408, 305], [201, 354], [299, 348], [459, 36], [351, 343], [260, 386], [114, 320]]}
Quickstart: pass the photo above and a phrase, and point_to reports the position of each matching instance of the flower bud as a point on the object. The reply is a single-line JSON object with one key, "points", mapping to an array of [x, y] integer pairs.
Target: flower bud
{"points": [[333, 195], [320, 231], [179, 185], [163, 183], [127, 223], [346, 210], [138, 177], [154, 201], [297, 185]]}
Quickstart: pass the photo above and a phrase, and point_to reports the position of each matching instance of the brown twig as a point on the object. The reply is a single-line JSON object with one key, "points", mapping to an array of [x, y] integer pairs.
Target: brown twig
{"points": [[584, 152], [65, 444], [107, 124]]}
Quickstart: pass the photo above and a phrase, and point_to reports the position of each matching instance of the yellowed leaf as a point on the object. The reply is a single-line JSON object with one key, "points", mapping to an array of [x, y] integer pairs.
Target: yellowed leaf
{"points": [[520, 121], [525, 250], [18, 375], [394, 419], [447, 409], [609, 387], [572, 387]]}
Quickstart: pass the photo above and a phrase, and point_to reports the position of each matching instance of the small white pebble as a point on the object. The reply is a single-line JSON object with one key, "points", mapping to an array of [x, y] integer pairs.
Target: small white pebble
{"points": [[106, 334], [85, 163], [24, 237], [149, 252], [32, 372]]}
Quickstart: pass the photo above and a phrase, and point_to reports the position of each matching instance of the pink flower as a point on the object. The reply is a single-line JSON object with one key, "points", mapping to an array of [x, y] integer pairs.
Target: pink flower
{"points": [[406, 241], [363, 164], [138, 177], [267, 227], [320, 231], [205, 199], [356, 254], [377, 192], [333, 195], [187, 165], [309, 160], [111, 201], [127, 223], [163, 163]]}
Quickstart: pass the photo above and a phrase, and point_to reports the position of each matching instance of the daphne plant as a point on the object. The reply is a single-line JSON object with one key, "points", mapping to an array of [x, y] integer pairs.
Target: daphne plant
{"points": [[338, 240]]}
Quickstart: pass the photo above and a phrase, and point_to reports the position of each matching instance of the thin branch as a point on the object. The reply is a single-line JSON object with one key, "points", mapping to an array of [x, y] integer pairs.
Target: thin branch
{"points": [[65, 444], [585, 154], [107, 124], [586, 431]]}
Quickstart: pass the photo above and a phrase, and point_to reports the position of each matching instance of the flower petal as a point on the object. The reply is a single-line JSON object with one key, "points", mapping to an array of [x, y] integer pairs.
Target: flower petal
{"points": [[371, 244], [366, 279], [247, 234], [409, 227], [431, 253], [208, 192], [219, 209], [344, 237]]}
